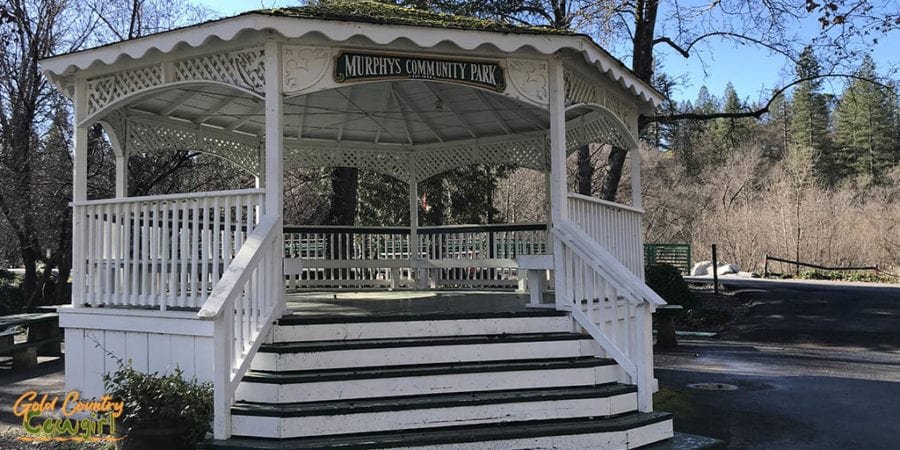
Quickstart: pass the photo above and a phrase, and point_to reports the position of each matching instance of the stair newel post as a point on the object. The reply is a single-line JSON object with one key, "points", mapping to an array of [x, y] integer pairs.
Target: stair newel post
{"points": [[223, 349], [643, 356], [558, 206]]}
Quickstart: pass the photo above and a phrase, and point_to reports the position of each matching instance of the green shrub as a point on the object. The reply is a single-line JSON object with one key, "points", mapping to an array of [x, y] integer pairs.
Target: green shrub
{"points": [[11, 300], [861, 276], [154, 401], [666, 280]]}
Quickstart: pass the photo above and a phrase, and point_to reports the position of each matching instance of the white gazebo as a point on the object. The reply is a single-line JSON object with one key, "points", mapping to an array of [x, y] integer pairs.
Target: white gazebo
{"points": [[197, 280]]}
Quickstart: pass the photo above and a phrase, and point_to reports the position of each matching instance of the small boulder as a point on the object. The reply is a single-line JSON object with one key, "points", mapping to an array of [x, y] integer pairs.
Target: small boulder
{"points": [[701, 269]]}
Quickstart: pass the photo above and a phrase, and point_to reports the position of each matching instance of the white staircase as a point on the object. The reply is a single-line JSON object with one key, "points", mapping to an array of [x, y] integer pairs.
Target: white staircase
{"points": [[490, 380]]}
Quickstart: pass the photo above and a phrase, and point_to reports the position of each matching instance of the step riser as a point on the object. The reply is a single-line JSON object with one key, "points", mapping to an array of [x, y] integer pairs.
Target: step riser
{"points": [[423, 385], [419, 328], [277, 427], [628, 439], [422, 355]]}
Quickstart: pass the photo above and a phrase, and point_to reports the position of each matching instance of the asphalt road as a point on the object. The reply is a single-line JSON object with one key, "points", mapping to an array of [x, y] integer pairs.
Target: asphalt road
{"points": [[815, 366]]}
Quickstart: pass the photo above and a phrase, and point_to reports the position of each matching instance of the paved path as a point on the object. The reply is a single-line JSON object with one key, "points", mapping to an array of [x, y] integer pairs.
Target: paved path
{"points": [[46, 378], [816, 366]]}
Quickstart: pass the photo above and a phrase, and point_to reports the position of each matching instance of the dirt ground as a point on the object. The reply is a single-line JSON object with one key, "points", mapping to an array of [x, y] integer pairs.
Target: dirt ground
{"points": [[712, 312]]}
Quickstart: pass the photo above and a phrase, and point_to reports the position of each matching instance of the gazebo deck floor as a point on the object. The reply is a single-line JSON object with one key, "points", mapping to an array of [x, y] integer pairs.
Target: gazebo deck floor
{"points": [[405, 304]]}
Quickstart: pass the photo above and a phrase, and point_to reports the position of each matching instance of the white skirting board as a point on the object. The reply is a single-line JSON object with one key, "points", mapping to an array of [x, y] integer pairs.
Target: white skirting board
{"points": [[97, 341]]}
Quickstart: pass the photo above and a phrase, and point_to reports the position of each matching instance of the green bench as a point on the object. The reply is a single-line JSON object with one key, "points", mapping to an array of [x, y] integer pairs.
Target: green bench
{"points": [[44, 338]]}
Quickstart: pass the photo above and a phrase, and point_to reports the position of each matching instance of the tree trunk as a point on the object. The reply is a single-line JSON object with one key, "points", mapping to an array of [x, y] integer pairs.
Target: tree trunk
{"points": [[344, 196], [584, 175], [344, 202], [642, 65], [613, 174]]}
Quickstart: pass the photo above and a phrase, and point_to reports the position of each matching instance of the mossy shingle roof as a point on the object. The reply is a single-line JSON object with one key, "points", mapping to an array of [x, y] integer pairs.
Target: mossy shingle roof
{"points": [[381, 13]]}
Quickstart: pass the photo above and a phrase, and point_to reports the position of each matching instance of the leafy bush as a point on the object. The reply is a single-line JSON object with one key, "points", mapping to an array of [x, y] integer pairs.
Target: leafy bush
{"points": [[154, 401], [666, 280], [860, 276], [11, 300]]}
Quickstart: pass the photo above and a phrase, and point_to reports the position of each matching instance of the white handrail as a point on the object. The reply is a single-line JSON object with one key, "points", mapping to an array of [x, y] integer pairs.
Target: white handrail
{"points": [[600, 259], [591, 282], [167, 197], [237, 274], [606, 203], [243, 305], [616, 227]]}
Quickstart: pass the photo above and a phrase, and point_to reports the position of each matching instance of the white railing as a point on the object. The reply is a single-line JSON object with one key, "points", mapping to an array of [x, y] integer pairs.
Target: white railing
{"points": [[159, 252], [478, 255], [343, 256], [609, 302], [614, 226], [243, 306], [458, 256]]}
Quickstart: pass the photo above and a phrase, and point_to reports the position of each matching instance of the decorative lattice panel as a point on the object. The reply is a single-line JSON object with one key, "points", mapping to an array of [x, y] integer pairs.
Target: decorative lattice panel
{"points": [[392, 163], [105, 90], [580, 90], [598, 129], [297, 157], [530, 152], [148, 138], [151, 138], [115, 124], [243, 155], [244, 68], [623, 109]]}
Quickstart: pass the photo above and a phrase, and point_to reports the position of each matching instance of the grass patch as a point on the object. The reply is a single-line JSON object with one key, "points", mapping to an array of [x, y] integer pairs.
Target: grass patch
{"points": [[676, 402]]}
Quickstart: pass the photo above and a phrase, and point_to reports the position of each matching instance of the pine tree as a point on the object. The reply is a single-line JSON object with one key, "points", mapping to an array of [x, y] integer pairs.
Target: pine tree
{"points": [[777, 128], [729, 133], [809, 124], [864, 126]]}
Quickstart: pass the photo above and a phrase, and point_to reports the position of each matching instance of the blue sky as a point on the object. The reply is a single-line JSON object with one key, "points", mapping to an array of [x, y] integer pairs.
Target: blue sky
{"points": [[753, 71]]}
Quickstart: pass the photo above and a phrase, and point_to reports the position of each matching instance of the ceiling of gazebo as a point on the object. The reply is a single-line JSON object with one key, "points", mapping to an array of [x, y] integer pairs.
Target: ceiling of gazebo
{"points": [[405, 113]]}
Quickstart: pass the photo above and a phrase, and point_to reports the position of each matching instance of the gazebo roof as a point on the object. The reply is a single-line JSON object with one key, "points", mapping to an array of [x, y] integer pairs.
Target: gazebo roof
{"points": [[380, 23], [382, 13], [202, 87]]}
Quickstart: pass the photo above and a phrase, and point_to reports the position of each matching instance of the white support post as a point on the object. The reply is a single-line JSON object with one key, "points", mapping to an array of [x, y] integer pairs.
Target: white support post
{"points": [[121, 175], [636, 178], [558, 205], [79, 191], [119, 145], [274, 160], [261, 159], [418, 273]]}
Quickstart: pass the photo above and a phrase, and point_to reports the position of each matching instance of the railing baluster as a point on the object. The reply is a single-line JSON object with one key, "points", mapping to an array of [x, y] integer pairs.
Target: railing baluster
{"points": [[185, 252], [205, 244]]}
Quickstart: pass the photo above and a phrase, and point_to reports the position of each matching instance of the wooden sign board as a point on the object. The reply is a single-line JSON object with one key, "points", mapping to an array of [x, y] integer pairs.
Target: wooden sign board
{"points": [[355, 66]]}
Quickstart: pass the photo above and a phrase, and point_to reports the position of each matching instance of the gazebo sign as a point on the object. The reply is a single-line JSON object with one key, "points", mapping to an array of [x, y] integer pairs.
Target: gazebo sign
{"points": [[354, 66]]}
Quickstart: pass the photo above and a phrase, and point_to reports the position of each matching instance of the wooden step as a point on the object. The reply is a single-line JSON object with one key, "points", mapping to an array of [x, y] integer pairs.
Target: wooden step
{"points": [[626, 431], [289, 356], [430, 411], [305, 328], [422, 379]]}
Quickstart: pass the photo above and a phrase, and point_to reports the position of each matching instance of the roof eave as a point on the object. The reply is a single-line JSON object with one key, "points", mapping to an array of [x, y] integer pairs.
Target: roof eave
{"points": [[58, 68]]}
